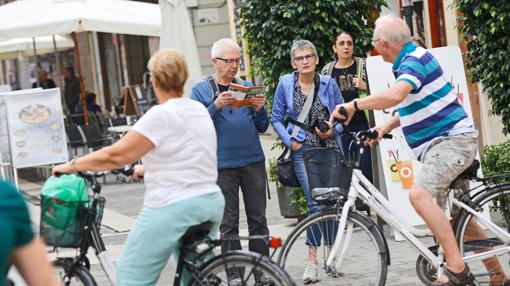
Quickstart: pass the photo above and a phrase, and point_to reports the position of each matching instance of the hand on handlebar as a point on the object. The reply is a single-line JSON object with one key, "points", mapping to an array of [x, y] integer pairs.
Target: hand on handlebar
{"points": [[374, 141], [65, 168], [343, 113], [382, 133], [138, 172]]}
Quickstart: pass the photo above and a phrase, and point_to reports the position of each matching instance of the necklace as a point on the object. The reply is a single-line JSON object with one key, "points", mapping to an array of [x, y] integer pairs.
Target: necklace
{"points": [[344, 72], [344, 69]]}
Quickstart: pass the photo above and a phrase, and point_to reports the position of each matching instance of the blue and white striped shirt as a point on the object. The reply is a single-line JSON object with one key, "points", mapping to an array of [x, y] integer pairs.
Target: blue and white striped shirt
{"points": [[432, 109]]}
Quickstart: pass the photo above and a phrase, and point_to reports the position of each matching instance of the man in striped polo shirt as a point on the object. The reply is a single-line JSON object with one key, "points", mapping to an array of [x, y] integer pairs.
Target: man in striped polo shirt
{"points": [[435, 126]]}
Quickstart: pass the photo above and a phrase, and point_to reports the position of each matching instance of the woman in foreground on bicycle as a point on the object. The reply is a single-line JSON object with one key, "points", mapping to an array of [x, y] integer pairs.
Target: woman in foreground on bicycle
{"points": [[177, 143]]}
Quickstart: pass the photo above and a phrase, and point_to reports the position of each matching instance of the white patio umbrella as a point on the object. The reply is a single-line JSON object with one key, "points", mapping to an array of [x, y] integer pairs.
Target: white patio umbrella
{"points": [[177, 32], [29, 18], [14, 48]]}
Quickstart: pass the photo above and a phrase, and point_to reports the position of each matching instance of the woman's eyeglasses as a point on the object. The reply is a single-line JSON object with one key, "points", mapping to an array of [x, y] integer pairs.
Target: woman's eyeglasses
{"points": [[303, 58]]}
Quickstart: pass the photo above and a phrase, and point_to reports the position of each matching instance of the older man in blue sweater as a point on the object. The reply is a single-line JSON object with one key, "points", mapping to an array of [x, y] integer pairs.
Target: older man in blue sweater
{"points": [[240, 155]]}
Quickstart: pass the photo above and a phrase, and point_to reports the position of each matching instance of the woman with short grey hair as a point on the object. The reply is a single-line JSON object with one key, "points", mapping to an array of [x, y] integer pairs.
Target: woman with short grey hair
{"points": [[320, 94], [301, 45]]}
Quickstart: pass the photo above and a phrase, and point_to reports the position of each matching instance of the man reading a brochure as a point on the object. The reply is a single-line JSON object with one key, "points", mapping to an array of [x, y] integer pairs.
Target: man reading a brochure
{"points": [[241, 162]]}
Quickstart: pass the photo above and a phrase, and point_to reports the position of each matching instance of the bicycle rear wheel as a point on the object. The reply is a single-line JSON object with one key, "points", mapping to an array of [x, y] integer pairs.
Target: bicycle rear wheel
{"points": [[473, 239], [366, 257], [242, 268]]}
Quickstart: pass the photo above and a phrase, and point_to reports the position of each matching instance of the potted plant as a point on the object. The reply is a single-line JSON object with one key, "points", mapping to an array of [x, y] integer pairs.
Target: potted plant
{"points": [[496, 160], [292, 201]]}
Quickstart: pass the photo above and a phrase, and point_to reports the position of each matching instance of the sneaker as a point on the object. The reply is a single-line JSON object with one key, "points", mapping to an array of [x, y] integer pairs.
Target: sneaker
{"points": [[235, 282], [310, 275]]}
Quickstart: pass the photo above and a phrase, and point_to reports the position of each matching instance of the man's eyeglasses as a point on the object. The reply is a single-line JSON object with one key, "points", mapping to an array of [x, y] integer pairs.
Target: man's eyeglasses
{"points": [[303, 58], [231, 61], [374, 42], [342, 43]]}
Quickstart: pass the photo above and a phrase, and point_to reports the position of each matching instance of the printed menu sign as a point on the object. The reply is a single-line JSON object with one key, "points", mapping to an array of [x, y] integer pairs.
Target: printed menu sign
{"points": [[5, 158], [36, 128]]}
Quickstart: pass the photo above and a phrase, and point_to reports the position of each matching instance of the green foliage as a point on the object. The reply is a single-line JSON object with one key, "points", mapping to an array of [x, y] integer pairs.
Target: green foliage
{"points": [[496, 159], [486, 28], [297, 198], [272, 27]]}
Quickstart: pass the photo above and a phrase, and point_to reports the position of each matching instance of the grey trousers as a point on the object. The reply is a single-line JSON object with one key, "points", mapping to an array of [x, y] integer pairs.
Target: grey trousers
{"points": [[252, 181]]}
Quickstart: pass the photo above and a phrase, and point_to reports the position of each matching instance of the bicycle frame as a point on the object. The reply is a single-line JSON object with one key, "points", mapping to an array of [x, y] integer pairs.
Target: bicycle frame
{"points": [[363, 188], [102, 254], [92, 237]]}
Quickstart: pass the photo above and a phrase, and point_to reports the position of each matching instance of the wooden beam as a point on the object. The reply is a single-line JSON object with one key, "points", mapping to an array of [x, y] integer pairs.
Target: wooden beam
{"points": [[80, 77], [474, 92]]}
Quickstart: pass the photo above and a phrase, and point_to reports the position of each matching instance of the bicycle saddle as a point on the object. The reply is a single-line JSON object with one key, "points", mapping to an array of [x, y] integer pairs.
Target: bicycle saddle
{"points": [[327, 196], [470, 172], [196, 232]]}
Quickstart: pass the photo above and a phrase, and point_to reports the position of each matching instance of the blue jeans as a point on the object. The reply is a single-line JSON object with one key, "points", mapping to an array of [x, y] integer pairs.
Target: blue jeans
{"points": [[313, 233]]}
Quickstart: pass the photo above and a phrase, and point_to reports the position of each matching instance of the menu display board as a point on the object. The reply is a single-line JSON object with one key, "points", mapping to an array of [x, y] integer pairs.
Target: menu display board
{"points": [[36, 128], [5, 158]]}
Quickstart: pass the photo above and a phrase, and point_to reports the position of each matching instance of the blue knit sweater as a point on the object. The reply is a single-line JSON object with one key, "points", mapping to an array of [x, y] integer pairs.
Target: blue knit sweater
{"points": [[237, 129]]}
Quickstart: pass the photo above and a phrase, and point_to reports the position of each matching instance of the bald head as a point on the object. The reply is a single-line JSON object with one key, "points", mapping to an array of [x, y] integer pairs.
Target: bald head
{"points": [[392, 30]]}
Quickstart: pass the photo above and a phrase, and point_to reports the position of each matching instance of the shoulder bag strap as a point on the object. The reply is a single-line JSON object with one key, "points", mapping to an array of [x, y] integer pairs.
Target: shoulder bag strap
{"points": [[306, 108], [359, 66], [214, 86], [328, 68]]}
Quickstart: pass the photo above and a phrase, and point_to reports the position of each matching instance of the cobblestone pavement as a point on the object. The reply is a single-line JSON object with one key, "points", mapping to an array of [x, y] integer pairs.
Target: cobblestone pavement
{"points": [[124, 201]]}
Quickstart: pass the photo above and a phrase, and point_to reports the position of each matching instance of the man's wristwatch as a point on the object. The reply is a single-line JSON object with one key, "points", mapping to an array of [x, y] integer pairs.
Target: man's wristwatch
{"points": [[356, 105]]}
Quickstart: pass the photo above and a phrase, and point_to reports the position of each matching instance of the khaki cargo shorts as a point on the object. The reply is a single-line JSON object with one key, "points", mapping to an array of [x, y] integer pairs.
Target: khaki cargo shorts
{"points": [[444, 160]]}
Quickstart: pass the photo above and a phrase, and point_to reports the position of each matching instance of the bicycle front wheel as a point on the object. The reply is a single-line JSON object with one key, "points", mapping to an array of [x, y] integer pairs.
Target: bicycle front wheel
{"points": [[365, 256], [475, 239], [242, 268], [80, 276]]}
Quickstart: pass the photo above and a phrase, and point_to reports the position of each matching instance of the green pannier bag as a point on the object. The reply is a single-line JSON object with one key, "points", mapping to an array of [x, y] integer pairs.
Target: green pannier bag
{"points": [[62, 202]]}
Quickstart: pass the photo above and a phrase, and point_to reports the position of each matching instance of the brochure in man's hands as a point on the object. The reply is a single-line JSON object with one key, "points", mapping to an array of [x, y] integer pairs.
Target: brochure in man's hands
{"points": [[243, 93]]}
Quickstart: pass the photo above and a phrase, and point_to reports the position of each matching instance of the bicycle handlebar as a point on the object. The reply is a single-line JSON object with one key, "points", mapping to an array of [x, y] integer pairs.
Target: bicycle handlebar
{"points": [[361, 136], [91, 176]]}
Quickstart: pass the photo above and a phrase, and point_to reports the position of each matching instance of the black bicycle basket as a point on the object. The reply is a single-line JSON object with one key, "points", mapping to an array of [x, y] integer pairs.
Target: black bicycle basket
{"points": [[63, 222], [329, 174]]}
